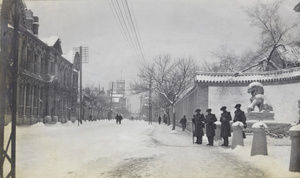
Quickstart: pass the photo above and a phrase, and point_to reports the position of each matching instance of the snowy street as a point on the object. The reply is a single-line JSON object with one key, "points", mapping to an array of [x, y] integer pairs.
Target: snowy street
{"points": [[132, 149]]}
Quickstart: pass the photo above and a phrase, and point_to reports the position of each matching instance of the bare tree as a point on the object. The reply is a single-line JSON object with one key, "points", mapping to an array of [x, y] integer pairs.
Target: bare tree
{"points": [[169, 78], [274, 32], [228, 61]]}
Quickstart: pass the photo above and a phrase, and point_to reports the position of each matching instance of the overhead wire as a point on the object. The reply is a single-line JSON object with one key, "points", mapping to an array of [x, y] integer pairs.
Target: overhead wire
{"points": [[128, 27], [135, 31], [121, 28], [126, 12]]}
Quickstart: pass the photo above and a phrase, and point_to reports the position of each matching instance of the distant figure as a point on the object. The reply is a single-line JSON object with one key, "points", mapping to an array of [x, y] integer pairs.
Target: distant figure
{"points": [[239, 115], [159, 119], [165, 119], [183, 123], [120, 118], [210, 127], [225, 125], [117, 119], [199, 125]]}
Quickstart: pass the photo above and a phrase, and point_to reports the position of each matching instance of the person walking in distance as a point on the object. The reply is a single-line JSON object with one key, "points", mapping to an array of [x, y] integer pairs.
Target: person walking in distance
{"points": [[210, 127], [225, 125], [239, 115], [120, 118], [199, 125], [159, 119], [183, 123], [117, 119]]}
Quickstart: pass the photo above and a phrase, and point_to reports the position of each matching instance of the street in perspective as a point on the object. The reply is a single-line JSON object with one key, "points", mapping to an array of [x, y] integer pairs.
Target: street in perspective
{"points": [[133, 89], [137, 149]]}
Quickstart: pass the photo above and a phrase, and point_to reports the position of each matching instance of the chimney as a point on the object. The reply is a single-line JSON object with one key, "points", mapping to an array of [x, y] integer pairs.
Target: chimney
{"points": [[35, 25]]}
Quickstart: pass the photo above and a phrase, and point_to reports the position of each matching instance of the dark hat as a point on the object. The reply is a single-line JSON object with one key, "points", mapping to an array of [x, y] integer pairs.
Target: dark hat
{"points": [[223, 107], [237, 106], [198, 110], [208, 110]]}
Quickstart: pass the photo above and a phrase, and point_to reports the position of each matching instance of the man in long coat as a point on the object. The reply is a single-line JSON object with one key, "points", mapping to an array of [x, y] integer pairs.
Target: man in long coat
{"points": [[117, 119], [225, 125], [239, 115], [183, 123], [199, 125], [210, 127]]}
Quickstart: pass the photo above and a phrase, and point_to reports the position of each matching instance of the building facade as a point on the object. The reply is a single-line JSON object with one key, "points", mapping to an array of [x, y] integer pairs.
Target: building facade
{"points": [[47, 82]]}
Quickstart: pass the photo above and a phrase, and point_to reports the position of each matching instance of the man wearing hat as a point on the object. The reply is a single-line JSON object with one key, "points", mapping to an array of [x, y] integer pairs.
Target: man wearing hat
{"points": [[239, 115], [225, 125], [199, 125], [210, 126]]}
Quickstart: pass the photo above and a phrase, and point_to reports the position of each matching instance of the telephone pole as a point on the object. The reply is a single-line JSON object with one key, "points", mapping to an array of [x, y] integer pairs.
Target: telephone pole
{"points": [[8, 6], [84, 58], [150, 101], [111, 97]]}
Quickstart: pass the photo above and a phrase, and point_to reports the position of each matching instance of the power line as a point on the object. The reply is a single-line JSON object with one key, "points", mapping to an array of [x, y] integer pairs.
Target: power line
{"points": [[127, 26], [131, 27], [135, 32], [120, 25], [123, 27]]}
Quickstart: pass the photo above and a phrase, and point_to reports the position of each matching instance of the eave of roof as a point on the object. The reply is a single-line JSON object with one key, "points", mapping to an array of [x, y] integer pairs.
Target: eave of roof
{"points": [[270, 76]]}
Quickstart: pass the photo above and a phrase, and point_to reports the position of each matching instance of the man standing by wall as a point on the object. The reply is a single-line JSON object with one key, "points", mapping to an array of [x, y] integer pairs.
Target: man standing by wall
{"points": [[239, 115], [199, 125], [225, 125]]}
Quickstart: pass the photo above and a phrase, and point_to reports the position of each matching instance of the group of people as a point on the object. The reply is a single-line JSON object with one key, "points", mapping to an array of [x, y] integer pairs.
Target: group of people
{"points": [[118, 118], [200, 121]]}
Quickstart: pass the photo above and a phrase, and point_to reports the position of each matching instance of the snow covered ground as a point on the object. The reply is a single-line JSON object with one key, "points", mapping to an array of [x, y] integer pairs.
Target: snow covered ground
{"points": [[137, 149]]}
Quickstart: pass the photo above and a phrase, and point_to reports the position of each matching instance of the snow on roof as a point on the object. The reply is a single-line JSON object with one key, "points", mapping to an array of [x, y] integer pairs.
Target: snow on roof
{"points": [[289, 53], [50, 41], [271, 76], [67, 58]]}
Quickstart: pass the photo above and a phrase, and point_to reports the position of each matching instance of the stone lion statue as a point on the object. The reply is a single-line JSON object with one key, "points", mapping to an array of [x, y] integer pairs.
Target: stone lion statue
{"points": [[258, 99]]}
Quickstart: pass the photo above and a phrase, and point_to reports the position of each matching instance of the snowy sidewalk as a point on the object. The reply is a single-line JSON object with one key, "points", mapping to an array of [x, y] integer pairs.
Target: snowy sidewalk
{"points": [[136, 149]]}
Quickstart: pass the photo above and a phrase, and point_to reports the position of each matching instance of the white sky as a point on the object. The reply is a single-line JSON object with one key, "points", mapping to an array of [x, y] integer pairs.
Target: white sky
{"points": [[180, 28]]}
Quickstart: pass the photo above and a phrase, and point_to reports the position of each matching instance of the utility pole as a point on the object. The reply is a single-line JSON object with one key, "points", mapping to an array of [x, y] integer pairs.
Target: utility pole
{"points": [[6, 7], [84, 58], [141, 106], [150, 101], [15, 87], [80, 88], [111, 96]]}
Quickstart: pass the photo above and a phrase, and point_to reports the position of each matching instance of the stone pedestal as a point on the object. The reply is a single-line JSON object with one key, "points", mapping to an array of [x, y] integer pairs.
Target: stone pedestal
{"points": [[295, 148], [33, 120], [55, 119], [27, 121], [218, 131], [48, 120], [259, 143], [260, 116], [237, 138], [73, 119]]}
